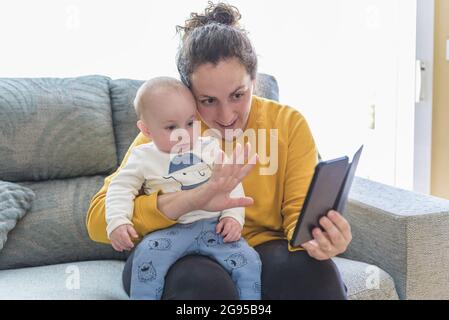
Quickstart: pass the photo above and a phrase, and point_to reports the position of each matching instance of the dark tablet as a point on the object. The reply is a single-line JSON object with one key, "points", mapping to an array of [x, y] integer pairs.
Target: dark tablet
{"points": [[328, 190]]}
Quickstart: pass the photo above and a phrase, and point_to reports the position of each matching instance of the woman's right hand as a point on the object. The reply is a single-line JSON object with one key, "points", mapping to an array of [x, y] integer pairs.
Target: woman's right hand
{"points": [[214, 195]]}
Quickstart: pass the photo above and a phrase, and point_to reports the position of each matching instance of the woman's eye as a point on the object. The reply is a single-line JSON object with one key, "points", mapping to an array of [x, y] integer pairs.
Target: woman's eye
{"points": [[238, 95], [208, 101]]}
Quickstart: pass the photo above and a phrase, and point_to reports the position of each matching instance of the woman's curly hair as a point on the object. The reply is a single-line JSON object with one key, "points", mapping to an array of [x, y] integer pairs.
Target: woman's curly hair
{"points": [[211, 37]]}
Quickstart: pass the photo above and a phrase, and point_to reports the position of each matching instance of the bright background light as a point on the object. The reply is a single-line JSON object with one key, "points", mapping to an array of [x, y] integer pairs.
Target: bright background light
{"points": [[340, 62]]}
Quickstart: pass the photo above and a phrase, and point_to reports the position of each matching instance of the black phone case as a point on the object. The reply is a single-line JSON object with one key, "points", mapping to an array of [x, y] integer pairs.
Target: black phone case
{"points": [[321, 197]]}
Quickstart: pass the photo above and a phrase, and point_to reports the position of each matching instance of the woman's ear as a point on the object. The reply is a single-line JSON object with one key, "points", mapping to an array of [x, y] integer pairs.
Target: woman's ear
{"points": [[143, 128]]}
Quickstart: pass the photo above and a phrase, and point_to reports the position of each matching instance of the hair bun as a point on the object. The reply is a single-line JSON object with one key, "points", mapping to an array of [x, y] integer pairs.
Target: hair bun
{"points": [[220, 12]]}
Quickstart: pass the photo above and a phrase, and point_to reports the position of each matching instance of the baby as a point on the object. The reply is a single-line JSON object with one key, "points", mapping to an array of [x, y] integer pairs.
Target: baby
{"points": [[167, 111]]}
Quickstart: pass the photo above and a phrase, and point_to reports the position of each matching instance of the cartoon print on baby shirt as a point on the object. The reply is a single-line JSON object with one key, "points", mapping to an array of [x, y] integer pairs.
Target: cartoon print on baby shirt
{"points": [[160, 244], [188, 171], [146, 272]]}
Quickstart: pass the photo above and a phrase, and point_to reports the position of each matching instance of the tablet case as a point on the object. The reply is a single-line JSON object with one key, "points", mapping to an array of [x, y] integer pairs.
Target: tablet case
{"points": [[328, 190]]}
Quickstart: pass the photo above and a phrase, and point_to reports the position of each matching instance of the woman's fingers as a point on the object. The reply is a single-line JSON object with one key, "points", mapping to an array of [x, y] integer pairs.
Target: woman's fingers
{"points": [[324, 244], [342, 224], [314, 250], [243, 172], [239, 202], [336, 237], [218, 164], [237, 159], [246, 151]]}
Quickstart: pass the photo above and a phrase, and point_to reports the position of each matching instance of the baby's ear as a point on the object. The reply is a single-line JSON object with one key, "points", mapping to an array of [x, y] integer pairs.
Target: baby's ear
{"points": [[143, 128]]}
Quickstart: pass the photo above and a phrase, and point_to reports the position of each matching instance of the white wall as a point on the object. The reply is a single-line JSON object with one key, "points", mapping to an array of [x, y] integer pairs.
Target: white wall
{"points": [[333, 58]]}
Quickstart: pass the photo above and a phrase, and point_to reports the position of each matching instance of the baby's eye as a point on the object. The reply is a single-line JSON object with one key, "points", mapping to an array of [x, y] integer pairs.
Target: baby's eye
{"points": [[171, 128], [190, 123]]}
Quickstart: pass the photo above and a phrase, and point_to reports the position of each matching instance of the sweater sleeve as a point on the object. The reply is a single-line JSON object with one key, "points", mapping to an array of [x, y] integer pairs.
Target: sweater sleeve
{"points": [[301, 162], [122, 190], [146, 216]]}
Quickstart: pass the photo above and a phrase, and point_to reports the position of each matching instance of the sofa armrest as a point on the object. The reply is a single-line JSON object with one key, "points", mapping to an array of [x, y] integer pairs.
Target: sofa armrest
{"points": [[404, 233]]}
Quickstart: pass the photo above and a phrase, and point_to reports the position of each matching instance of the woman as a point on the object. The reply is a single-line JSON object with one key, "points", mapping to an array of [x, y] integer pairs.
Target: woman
{"points": [[218, 63]]}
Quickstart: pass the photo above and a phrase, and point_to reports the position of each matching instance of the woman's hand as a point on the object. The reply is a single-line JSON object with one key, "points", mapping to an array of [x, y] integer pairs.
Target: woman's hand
{"points": [[333, 241], [214, 195]]}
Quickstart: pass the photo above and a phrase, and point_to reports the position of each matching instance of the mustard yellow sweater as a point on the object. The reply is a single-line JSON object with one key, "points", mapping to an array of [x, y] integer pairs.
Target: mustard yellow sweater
{"points": [[278, 198]]}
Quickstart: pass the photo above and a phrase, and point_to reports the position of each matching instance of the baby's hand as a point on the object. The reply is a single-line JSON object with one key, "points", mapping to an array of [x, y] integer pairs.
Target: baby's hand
{"points": [[121, 237], [230, 229]]}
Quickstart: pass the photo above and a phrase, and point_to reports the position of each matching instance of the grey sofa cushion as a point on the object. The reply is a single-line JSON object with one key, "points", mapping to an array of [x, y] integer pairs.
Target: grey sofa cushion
{"points": [[15, 201], [55, 128], [404, 233], [102, 280], [97, 280], [365, 281], [123, 92], [54, 230], [267, 87]]}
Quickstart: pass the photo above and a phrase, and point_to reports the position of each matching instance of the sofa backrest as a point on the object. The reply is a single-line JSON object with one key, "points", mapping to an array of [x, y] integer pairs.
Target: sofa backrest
{"points": [[61, 137], [51, 128]]}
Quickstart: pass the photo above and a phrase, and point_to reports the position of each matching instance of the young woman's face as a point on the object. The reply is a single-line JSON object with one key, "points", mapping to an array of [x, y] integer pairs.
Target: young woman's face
{"points": [[223, 94]]}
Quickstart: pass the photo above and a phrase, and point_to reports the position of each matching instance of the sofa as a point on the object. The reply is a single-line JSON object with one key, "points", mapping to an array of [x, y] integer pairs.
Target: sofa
{"points": [[60, 137]]}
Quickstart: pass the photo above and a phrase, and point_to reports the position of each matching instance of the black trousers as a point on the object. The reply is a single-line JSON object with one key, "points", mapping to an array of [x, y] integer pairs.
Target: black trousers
{"points": [[285, 275]]}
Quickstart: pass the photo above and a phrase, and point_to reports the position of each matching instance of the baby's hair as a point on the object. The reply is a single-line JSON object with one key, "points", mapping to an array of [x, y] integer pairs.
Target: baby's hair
{"points": [[152, 86]]}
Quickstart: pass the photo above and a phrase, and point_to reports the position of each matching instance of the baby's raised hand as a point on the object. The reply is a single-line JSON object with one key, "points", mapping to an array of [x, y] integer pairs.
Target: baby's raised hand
{"points": [[230, 229], [121, 237]]}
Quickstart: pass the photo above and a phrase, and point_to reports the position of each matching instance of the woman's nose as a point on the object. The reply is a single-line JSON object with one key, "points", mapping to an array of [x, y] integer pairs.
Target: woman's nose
{"points": [[226, 115]]}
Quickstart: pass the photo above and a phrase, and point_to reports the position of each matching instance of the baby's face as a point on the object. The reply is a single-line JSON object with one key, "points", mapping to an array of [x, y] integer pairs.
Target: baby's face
{"points": [[170, 120]]}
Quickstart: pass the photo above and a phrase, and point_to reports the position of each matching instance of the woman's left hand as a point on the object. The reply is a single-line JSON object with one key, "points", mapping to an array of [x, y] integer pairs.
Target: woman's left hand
{"points": [[333, 241]]}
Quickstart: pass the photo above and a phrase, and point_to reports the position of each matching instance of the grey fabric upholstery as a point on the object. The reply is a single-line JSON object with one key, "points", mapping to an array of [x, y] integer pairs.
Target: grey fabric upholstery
{"points": [[97, 280], [404, 233], [123, 92], [54, 230], [102, 280], [267, 87], [365, 281], [15, 201], [51, 128]]}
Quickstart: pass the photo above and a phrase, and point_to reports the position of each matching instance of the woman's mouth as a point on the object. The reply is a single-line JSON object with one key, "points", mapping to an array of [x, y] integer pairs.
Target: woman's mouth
{"points": [[227, 125]]}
